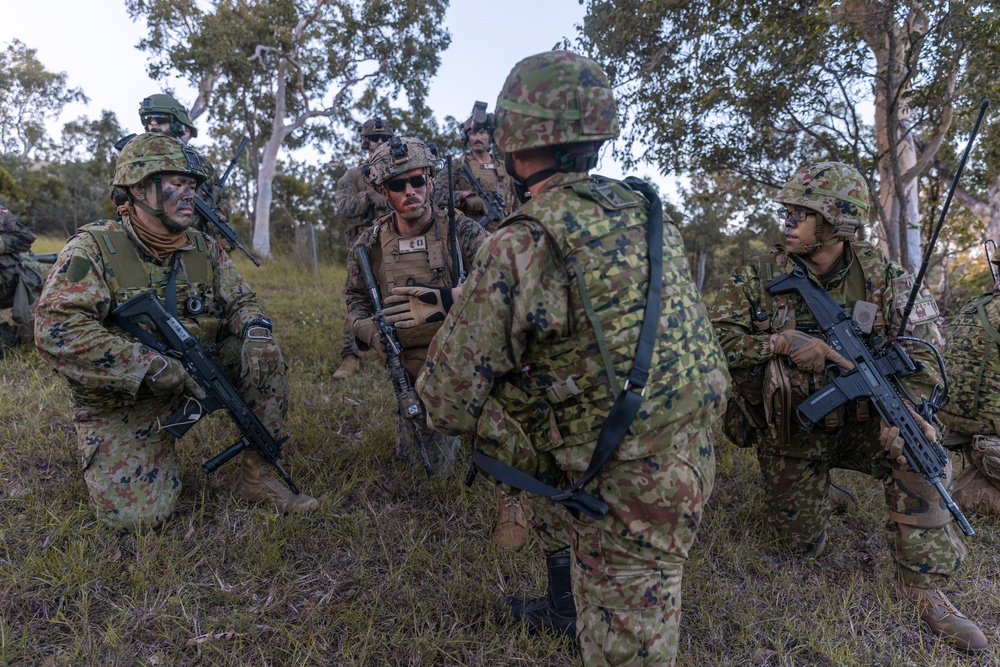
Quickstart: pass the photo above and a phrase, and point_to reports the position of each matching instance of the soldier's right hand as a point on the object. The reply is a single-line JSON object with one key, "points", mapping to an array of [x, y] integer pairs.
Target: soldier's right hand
{"points": [[810, 354], [166, 376]]}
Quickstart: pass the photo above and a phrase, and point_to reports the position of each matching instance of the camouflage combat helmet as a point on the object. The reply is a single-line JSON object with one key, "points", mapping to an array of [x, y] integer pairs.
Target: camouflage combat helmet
{"points": [[554, 98], [166, 105], [153, 153], [836, 191], [398, 156], [372, 127]]}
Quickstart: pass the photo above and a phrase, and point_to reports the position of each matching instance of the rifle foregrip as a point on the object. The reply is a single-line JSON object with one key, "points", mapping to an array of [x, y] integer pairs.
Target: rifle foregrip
{"points": [[217, 461]]}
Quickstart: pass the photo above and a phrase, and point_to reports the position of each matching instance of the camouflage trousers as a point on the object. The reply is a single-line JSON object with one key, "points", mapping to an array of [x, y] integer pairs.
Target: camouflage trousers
{"points": [[129, 464], [799, 509], [627, 568], [441, 449]]}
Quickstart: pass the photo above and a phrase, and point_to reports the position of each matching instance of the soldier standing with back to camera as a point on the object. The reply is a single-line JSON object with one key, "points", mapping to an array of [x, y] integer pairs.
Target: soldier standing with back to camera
{"points": [[122, 389], [361, 204], [562, 324], [972, 416], [477, 135], [777, 359], [417, 258]]}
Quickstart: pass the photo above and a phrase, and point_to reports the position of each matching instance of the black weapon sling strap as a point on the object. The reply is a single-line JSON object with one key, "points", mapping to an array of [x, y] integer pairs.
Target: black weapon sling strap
{"points": [[629, 400]]}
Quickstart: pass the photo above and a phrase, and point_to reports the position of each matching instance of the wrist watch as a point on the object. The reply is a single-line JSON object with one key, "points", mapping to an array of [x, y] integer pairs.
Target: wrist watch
{"points": [[261, 322]]}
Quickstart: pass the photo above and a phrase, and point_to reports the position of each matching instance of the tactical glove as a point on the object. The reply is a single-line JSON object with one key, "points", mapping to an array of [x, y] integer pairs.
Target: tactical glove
{"points": [[377, 200], [166, 376], [411, 306], [808, 353], [366, 331], [260, 356]]}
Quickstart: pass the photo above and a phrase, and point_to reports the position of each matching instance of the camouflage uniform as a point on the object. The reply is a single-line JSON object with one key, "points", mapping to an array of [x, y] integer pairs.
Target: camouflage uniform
{"points": [[535, 351], [355, 202], [21, 279], [492, 177], [381, 241], [795, 461], [972, 416], [128, 461]]}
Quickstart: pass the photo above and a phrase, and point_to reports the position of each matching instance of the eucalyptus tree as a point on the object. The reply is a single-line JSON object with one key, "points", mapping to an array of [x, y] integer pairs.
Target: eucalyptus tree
{"points": [[755, 88], [291, 72], [29, 96]]}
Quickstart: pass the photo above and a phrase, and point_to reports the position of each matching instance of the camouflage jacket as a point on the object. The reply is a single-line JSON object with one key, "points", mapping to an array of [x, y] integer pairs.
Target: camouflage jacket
{"points": [[518, 360], [354, 199], [74, 334], [14, 237], [492, 179], [384, 232], [866, 275]]}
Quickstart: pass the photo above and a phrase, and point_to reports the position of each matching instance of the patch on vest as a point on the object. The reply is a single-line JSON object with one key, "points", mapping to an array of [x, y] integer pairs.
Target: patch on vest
{"points": [[412, 244]]}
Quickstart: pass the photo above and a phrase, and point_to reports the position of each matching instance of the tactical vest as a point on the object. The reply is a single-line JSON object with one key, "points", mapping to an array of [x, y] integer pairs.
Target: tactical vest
{"points": [[425, 259], [127, 275], [567, 387], [972, 360]]}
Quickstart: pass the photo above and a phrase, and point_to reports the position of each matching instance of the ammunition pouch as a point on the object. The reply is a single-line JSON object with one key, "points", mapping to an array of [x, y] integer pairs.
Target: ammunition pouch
{"points": [[984, 452]]}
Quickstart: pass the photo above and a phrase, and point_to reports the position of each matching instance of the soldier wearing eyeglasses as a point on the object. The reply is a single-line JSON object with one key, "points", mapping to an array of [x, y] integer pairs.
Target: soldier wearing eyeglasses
{"points": [[360, 203], [777, 358], [419, 258]]}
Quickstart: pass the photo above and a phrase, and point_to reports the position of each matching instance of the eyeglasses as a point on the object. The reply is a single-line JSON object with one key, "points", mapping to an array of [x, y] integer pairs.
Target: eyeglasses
{"points": [[159, 120], [399, 184], [378, 138], [798, 217]]}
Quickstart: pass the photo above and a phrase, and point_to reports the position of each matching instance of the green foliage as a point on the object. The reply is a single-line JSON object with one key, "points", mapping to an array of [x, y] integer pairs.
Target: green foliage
{"points": [[29, 95]]}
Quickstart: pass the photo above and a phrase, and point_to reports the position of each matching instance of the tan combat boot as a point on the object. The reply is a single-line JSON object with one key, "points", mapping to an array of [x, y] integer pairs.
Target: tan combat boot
{"points": [[840, 498], [940, 617], [511, 531], [254, 487], [974, 493], [348, 367]]}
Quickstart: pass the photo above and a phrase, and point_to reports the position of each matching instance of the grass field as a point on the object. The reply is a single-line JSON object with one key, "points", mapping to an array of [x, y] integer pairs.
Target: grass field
{"points": [[394, 568]]}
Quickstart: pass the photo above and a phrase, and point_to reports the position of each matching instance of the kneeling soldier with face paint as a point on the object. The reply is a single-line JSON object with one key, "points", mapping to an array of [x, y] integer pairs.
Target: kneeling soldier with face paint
{"points": [[122, 389]]}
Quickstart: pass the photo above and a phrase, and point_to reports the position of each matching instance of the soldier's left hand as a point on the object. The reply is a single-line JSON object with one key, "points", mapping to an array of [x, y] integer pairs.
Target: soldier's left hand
{"points": [[413, 305], [260, 356]]}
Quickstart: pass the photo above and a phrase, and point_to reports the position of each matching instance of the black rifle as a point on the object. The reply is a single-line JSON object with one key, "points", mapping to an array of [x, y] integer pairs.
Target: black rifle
{"points": [[492, 201], [207, 211], [456, 248], [219, 393], [409, 404], [875, 376], [44, 258]]}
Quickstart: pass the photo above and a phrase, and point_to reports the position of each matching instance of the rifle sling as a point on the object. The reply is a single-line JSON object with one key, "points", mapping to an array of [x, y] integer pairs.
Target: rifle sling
{"points": [[625, 407]]}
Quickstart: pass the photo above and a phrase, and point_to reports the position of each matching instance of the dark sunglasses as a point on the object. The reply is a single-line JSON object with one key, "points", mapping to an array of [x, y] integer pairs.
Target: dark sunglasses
{"points": [[378, 138], [159, 120], [399, 184]]}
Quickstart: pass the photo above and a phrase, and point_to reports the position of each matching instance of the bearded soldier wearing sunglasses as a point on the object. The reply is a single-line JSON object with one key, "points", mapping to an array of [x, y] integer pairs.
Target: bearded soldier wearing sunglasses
{"points": [[419, 259], [778, 358], [360, 203]]}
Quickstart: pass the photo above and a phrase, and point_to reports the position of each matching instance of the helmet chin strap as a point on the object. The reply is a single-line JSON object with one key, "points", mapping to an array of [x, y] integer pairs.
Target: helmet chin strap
{"points": [[158, 213], [821, 243]]}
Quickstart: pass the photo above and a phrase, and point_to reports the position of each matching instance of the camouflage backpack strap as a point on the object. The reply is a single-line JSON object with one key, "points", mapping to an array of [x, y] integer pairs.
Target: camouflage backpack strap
{"points": [[984, 319]]}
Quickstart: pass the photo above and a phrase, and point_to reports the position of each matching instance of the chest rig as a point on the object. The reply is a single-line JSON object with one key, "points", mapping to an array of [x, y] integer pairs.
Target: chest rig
{"points": [[425, 259], [128, 274]]}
